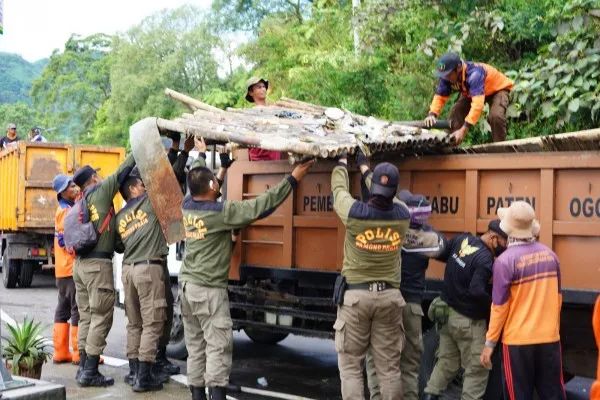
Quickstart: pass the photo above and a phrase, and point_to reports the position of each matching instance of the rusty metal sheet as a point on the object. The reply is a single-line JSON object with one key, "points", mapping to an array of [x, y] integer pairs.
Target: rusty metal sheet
{"points": [[158, 176]]}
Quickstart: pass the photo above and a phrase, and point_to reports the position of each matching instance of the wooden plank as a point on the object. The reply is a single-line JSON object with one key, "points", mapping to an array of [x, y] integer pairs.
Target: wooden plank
{"points": [[547, 207], [564, 228], [471, 200], [300, 221], [288, 208], [509, 161]]}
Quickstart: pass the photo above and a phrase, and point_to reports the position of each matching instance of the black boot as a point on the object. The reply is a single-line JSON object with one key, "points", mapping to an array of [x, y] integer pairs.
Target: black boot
{"points": [[82, 358], [133, 369], [145, 380], [198, 393], [163, 364], [90, 376], [428, 396], [217, 393]]}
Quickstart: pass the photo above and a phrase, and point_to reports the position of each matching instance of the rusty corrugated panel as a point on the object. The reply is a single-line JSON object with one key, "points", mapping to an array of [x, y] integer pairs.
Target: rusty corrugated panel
{"points": [[303, 130]]}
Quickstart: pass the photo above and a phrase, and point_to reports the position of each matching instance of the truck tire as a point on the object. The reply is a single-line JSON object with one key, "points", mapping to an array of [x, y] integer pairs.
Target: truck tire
{"points": [[494, 390], [264, 337], [176, 348], [26, 275], [10, 271]]}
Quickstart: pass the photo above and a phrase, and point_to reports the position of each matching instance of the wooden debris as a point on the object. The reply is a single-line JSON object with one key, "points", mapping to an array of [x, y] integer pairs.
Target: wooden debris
{"points": [[301, 129]]}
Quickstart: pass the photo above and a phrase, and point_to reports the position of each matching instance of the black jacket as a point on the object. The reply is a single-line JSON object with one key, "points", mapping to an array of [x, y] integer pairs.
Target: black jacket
{"points": [[469, 265]]}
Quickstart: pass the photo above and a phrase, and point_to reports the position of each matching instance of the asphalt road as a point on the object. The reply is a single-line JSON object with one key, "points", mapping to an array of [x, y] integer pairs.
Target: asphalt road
{"points": [[299, 366]]}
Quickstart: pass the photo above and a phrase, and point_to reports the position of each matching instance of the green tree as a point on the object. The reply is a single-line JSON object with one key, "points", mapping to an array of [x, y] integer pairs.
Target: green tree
{"points": [[174, 49], [74, 85]]}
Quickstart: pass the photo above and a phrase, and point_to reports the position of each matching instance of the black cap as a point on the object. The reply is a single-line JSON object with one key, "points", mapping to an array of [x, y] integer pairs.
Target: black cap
{"points": [[446, 64], [494, 226], [83, 174], [385, 180]]}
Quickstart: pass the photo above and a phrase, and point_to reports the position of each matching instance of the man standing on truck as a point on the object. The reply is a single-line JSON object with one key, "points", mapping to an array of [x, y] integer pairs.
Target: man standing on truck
{"points": [[412, 287], [93, 272], [469, 261], [36, 135], [526, 304], [256, 92], [369, 315], [205, 271], [66, 193], [10, 137], [477, 83]]}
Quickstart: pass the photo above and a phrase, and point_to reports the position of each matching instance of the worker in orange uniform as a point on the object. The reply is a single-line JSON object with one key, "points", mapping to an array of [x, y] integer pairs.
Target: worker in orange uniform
{"points": [[477, 83], [66, 309], [595, 395], [256, 92], [525, 313]]}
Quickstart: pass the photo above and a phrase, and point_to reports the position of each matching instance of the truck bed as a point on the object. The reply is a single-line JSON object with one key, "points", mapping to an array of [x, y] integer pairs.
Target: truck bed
{"points": [[27, 201]]}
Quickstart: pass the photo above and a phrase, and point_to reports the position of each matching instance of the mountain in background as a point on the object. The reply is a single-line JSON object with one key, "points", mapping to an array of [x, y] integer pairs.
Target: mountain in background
{"points": [[16, 77]]}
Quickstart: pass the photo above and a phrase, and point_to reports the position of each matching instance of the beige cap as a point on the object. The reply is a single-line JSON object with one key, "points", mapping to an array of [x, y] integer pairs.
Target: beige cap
{"points": [[518, 220], [251, 82]]}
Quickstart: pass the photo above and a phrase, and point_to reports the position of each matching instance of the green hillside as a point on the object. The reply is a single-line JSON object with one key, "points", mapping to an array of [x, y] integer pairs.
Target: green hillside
{"points": [[16, 76]]}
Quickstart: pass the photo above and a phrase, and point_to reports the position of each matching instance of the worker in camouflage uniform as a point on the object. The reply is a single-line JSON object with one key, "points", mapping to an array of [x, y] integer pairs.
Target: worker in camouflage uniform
{"points": [[205, 271], [93, 272], [412, 287], [369, 313]]}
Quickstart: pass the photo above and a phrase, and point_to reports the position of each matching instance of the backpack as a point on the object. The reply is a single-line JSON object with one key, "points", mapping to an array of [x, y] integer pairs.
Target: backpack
{"points": [[80, 233]]}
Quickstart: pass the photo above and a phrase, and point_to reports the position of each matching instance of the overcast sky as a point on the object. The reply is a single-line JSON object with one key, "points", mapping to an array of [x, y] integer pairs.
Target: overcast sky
{"points": [[34, 28]]}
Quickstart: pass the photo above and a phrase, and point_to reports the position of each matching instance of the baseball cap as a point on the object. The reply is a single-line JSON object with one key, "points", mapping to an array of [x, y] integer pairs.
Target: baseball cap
{"points": [[60, 183], [251, 82], [385, 180], [11, 126], [83, 174], [446, 64], [494, 226]]}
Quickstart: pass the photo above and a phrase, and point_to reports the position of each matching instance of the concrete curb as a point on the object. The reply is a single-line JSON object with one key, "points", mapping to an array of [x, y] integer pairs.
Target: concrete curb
{"points": [[40, 391]]}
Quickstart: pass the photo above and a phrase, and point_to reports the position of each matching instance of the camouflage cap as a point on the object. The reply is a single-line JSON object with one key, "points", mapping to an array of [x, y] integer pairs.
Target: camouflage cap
{"points": [[251, 82]]}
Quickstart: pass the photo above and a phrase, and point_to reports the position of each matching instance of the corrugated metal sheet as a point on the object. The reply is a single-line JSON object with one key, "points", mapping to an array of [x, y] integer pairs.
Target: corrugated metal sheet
{"points": [[303, 129]]}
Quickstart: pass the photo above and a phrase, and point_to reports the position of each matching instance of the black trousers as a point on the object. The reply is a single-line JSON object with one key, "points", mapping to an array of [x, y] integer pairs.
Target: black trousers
{"points": [[67, 306], [536, 366]]}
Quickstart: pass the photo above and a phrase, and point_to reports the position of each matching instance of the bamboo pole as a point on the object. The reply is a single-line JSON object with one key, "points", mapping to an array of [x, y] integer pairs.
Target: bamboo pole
{"points": [[190, 101]]}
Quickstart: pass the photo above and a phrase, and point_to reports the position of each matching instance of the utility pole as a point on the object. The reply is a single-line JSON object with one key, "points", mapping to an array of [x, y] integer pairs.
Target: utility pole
{"points": [[355, 7]]}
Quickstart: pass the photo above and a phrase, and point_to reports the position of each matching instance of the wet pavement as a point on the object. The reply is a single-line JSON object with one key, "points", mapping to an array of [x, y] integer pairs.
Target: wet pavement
{"points": [[298, 366]]}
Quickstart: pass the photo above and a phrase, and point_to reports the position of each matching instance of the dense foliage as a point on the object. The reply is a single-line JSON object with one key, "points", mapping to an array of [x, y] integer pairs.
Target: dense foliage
{"points": [[374, 60]]}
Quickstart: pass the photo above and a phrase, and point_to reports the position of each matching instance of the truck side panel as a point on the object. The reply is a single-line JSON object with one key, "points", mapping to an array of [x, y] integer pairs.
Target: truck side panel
{"points": [[9, 179], [27, 200]]}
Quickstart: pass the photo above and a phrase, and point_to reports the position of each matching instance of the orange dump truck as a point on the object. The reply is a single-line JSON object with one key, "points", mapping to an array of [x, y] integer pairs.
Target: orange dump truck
{"points": [[283, 272], [28, 203]]}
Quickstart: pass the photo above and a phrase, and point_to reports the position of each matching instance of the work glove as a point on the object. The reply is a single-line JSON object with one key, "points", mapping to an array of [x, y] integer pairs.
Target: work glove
{"points": [[362, 158], [341, 157], [225, 160], [175, 136], [430, 120]]}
